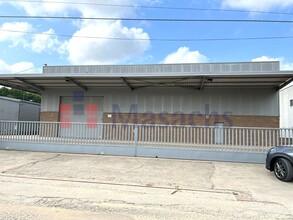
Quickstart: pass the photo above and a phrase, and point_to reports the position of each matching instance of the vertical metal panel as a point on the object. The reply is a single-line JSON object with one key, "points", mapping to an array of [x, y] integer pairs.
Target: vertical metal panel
{"points": [[164, 69], [237, 101], [9, 110], [29, 111]]}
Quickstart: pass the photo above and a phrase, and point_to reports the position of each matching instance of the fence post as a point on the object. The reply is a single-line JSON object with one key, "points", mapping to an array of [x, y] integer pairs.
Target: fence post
{"points": [[135, 139]]}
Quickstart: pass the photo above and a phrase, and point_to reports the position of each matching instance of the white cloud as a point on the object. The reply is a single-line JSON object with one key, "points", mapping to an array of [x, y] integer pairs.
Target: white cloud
{"points": [[86, 8], [184, 55], [47, 42], [55, 7], [261, 5], [6, 68], [86, 50], [265, 58], [284, 65], [16, 37], [99, 51]]}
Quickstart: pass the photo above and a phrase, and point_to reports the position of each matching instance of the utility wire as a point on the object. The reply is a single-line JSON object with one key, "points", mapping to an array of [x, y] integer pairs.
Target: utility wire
{"points": [[146, 19], [152, 39], [35, 67], [151, 7], [25, 70]]}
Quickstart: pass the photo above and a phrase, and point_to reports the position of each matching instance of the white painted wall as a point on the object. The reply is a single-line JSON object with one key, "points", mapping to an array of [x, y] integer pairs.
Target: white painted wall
{"points": [[286, 111], [170, 100]]}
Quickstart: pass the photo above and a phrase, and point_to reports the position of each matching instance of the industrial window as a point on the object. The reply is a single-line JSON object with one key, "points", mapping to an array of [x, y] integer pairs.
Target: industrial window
{"points": [[291, 102]]}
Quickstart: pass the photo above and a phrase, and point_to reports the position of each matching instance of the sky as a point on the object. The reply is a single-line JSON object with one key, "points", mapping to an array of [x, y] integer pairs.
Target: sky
{"points": [[27, 44]]}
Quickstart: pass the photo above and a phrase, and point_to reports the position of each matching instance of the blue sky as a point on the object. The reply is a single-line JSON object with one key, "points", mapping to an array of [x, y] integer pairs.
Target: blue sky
{"points": [[20, 51]]}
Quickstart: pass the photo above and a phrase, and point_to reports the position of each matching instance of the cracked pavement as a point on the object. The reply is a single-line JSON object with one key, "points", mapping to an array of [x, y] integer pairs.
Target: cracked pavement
{"points": [[64, 186]]}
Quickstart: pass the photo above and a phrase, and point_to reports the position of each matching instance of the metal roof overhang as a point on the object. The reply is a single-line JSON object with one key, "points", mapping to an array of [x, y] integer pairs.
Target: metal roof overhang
{"points": [[37, 83]]}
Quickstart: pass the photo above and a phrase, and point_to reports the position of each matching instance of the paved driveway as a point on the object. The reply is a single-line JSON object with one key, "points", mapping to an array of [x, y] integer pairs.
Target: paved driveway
{"points": [[46, 185]]}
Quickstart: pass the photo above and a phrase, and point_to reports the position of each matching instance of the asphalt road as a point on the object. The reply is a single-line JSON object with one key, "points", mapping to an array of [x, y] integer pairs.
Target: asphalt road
{"points": [[63, 186]]}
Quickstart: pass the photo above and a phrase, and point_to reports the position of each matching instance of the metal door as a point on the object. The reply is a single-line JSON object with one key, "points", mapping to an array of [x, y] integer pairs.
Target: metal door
{"points": [[75, 111]]}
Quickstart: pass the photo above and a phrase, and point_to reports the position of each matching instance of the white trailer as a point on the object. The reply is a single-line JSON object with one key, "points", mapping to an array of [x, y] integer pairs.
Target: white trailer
{"points": [[286, 107]]}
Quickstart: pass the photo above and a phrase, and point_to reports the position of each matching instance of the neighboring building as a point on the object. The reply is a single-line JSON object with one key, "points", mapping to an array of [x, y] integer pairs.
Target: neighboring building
{"points": [[286, 107], [212, 94], [18, 110]]}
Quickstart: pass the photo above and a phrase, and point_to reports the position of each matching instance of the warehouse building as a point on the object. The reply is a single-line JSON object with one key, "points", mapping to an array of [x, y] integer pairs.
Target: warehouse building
{"points": [[211, 94], [211, 111]]}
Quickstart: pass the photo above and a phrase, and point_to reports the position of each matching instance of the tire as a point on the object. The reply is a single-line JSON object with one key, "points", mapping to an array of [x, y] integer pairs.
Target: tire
{"points": [[283, 170]]}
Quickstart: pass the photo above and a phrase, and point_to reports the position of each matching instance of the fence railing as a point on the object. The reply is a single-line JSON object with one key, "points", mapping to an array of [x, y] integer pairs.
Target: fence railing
{"points": [[136, 135]]}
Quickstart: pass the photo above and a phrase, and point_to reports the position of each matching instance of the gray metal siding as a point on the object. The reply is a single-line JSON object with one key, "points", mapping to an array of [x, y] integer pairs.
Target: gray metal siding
{"points": [[29, 111], [236, 101], [9, 110]]}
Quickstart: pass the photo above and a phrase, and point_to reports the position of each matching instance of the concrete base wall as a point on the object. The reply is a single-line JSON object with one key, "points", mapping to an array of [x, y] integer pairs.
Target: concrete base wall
{"points": [[140, 151]]}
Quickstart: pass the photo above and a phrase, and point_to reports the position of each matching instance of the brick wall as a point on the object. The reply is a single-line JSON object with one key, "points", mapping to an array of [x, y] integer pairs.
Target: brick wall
{"points": [[196, 120], [49, 130], [49, 116], [176, 119]]}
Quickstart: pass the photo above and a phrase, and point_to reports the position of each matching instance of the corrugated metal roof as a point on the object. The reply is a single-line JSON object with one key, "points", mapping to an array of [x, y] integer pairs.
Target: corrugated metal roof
{"points": [[38, 83], [195, 76]]}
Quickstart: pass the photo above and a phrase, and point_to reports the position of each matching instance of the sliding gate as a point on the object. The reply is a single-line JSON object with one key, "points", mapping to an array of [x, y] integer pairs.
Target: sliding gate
{"points": [[184, 142]]}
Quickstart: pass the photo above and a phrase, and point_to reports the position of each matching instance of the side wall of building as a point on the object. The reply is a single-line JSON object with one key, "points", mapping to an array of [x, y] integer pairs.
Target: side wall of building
{"points": [[230, 106], [9, 110], [29, 111]]}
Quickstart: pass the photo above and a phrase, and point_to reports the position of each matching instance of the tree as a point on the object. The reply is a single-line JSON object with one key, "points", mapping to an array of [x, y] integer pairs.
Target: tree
{"points": [[19, 94]]}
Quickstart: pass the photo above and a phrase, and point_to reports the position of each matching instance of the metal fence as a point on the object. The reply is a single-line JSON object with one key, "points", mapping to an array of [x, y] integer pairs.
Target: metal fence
{"points": [[236, 139]]}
